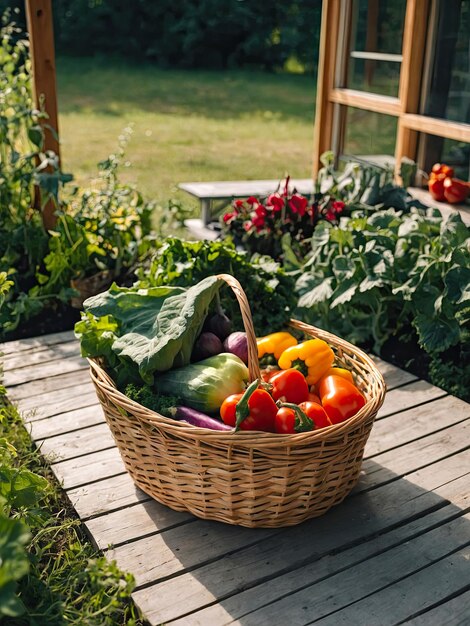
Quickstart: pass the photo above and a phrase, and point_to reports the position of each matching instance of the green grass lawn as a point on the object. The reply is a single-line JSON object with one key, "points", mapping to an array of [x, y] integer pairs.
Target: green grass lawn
{"points": [[196, 125], [188, 125]]}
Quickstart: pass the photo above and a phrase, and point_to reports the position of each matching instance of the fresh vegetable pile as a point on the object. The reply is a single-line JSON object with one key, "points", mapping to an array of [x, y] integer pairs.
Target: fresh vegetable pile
{"points": [[303, 392], [443, 187], [172, 349]]}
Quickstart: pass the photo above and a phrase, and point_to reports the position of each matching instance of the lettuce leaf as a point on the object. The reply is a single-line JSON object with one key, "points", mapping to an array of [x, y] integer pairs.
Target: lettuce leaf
{"points": [[143, 331]]}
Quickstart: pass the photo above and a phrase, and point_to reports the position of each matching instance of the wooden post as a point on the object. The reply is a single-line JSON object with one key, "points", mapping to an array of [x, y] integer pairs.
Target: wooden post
{"points": [[326, 80], [41, 38], [414, 39]]}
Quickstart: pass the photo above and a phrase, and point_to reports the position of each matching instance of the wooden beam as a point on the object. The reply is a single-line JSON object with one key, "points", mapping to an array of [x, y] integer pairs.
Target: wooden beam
{"points": [[326, 76], [41, 37], [365, 100], [434, 126], [414, 41]]}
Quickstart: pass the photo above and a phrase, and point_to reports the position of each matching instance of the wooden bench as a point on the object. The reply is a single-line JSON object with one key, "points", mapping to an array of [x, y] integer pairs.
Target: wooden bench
{"points": [[224, 192]]}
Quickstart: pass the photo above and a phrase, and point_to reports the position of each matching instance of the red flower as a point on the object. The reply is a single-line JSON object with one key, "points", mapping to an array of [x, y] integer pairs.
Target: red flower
{"points": [[228, 216], [330, 215], [258, 222], [247, 225], [298, 204], [275, 201], [252, 200], [338, 206], [238, 203], [261, 211]]}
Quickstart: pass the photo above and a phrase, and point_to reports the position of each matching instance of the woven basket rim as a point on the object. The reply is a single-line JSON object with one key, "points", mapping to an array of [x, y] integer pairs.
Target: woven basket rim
{"points": [[258, 439]]}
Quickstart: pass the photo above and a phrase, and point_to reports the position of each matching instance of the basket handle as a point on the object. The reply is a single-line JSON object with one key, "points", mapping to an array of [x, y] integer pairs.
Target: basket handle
{"points": [[253, 364]]}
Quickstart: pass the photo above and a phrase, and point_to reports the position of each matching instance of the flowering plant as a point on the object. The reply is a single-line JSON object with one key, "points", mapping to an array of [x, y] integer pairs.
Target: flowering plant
{"points": [[260, 224]]}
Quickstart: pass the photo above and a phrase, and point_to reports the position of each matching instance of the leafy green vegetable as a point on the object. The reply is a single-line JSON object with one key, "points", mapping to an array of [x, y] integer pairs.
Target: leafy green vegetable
{"points": [[268, 287], [146, 396], [145, 330]]}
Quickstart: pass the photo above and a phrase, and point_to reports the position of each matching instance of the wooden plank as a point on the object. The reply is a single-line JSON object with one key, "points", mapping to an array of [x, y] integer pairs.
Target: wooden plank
{"points": [[41, 355], [356, 520], [403, 427], [132, 523], [408, 458], [184, 547], [188, 592], [454, 612], [43, 370], [77, 443], [57, 402], [66, 422], [41, 387], [393, 375], [41, 39], [408, 396], [227, 189], [86, 469], [35, 343], [356, 582], [105, 496], [415, 593]]}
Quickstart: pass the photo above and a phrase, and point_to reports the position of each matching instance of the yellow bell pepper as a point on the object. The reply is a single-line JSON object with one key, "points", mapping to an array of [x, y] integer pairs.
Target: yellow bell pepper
{"points": [[272, 346], [313, 358]]}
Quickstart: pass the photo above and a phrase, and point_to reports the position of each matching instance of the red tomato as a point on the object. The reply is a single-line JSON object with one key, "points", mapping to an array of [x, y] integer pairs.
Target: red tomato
{"points": [[228, 408], [284, 422], [340, 399], [290, 385], [316, 413]]}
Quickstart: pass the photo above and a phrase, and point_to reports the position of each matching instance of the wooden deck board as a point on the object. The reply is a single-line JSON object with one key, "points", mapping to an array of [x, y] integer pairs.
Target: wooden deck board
{"points": [[350, 585], [394, 547]]}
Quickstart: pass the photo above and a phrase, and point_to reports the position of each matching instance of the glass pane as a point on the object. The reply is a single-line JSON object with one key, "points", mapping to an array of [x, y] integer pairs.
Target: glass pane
{"points": [[369, 134], [375, 45], [448, 91], [441, 150]]}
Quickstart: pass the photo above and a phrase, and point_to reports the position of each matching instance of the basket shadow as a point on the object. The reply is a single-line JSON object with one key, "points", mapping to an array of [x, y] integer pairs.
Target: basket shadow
{"points": [[388, 528]]}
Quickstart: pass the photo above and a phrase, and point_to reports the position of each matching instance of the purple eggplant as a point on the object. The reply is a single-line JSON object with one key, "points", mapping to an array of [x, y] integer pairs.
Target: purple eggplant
{"points": [[237, 344], [196, 418]]}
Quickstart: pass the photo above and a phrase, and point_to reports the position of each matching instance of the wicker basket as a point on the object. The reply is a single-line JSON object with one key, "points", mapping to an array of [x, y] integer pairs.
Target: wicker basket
{"points": [[248, 478]]}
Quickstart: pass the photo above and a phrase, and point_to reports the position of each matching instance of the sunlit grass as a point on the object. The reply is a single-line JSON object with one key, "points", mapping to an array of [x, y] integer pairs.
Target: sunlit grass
{"points": [[196, 125], [188, 126]]}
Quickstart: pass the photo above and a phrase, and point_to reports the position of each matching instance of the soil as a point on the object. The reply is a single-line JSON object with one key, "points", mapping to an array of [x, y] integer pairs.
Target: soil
{"points": [[49, 320]]}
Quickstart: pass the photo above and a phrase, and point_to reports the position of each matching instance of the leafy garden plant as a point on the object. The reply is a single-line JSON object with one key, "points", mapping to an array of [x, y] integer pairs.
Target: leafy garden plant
{"points": [[101, 231], [268, 287], [394, 277]]}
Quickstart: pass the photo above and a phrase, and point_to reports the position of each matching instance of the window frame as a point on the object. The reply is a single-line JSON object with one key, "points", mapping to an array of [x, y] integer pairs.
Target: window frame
{"points": [[333, 97]]}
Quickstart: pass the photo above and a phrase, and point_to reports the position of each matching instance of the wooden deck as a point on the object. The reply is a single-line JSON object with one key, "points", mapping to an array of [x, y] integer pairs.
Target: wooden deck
{"points": [[397, 550]]}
